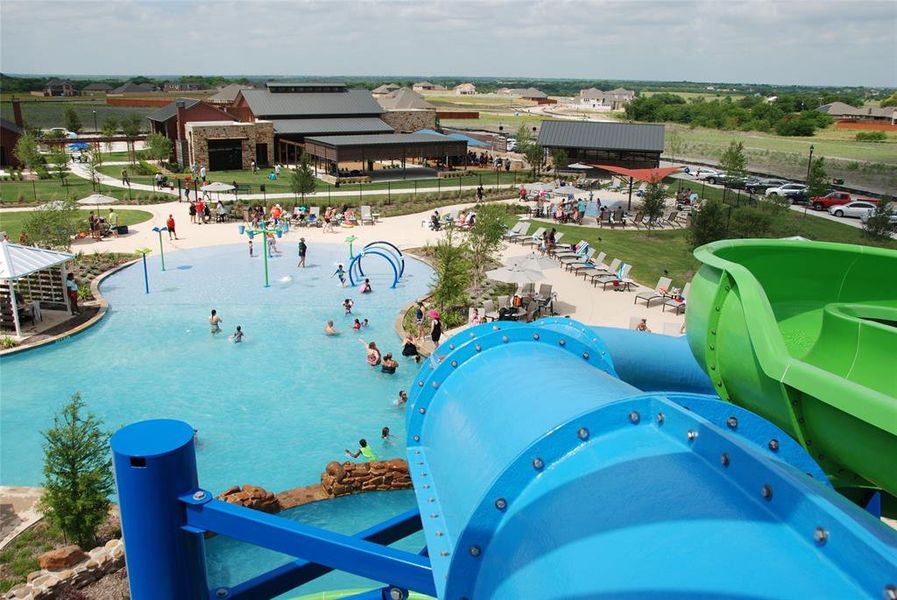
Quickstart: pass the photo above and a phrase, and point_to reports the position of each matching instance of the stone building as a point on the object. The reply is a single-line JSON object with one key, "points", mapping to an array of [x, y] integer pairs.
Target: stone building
{"points": [[230, 145]]}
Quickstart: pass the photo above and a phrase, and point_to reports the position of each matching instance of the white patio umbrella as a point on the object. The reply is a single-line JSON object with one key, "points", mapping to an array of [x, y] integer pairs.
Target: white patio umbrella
{"points": [[532, 262], [515, 274], [98, 199], [580, 166], [52, 205], [217, 186]]}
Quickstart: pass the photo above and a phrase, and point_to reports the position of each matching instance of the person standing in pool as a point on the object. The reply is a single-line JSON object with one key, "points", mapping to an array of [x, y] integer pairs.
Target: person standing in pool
{"points": [[403, 399], [366, 287], [237, 337], [435, 328], [215, 322], [387, 437], [347, 305], [374, 357], [303, 249], [356, 326], [329, 330], [341, 274], [389, 364], [363, 450]]}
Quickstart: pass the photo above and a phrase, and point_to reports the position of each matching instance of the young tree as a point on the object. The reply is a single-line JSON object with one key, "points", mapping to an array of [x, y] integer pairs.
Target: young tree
{"points": [[524, 136], [302, 179], [734, 163], [484, 239], [878, 225], [751, 222], [817, 181], [158, 147], [27, 152], [53, 226], [93, 167], [451, 272], [559, 158], [535, 155], [72, 120], [130, 126], [78, 473], [654, 200], [60, 162], [708, 223], [109, 129]]}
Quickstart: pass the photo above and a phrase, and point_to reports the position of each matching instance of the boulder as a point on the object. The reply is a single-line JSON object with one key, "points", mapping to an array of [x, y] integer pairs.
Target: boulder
{"points": [[61, 558], [231, 490]]}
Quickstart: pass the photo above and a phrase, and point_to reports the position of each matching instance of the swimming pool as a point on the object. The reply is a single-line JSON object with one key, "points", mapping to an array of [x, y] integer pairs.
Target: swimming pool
{"points": [[271, 411]]}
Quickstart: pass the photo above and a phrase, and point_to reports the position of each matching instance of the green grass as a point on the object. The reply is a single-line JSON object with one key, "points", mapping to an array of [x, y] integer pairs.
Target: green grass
{"points": [[12, 221], [20, 557], [24, 193]]}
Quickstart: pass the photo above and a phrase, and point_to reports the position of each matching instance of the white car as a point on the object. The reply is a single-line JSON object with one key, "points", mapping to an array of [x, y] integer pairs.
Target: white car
{"points": [[789, 189], [705, 173], [511, 144], [65, 132], [857, 209], [892, 215]]}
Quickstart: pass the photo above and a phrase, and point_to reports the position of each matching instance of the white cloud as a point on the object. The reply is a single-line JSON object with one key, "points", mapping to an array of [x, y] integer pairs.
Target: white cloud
{"points": [[833, 42]]}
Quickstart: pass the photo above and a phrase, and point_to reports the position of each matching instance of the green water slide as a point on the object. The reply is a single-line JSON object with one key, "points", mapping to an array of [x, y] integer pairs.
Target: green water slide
{"points": [[805, 334]]}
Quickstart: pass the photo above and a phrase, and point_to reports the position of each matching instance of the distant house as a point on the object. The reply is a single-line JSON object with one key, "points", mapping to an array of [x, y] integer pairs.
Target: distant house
{"points": [[97, 88], [407, 111], [426, 86], [465, 89], [227, 94], [177, 86], [531, 94], [135, 88], [384, 89], [404, 99], [846, 112], [60, 87], [612, 100]]}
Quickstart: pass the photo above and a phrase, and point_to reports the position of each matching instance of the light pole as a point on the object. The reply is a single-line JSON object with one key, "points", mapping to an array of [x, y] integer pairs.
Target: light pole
{"points": [[159, 230], [96, 130], [264, 231], [809, 166]]}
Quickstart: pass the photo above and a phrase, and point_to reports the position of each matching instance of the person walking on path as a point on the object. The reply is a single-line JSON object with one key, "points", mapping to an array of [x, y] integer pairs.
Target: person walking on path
{"points": [[170, 224], [303, 249], [113, 222], [71, 287], [202, 173], [124, 177]]}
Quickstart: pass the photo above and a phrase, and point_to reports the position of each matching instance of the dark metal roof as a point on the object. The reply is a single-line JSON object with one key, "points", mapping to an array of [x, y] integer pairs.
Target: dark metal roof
{"points": [[299, 84], [330, 126], [264, 104], [227, 94], [10, 126], [170, 110], [611, 136], [393, 139]]}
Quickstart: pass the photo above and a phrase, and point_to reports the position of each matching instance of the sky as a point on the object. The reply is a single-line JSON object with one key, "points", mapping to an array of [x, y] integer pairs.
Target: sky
{"points": [[819, 42]]}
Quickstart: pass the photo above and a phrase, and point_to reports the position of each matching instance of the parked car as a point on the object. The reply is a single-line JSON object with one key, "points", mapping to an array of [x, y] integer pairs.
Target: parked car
{"points": [[756, 185], [852, 209], [835, 199], [62, 132], [511, 144], [705, 173], [892, 215], [788, 190]]}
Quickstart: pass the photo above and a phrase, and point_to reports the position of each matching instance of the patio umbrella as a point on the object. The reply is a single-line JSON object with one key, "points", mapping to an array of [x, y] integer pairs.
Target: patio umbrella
{"points": [[579, 166], [79, 146], [217, 186], [52, 205], [515, 274], [531, 262], [98, 199]]}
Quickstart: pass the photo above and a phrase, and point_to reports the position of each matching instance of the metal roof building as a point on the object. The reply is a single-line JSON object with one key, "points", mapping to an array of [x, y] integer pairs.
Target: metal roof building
{"points": [[266, 104], [620, 144], [334, 149]]}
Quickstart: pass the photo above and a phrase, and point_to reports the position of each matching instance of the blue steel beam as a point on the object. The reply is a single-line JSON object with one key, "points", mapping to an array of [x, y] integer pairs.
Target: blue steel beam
{"points": [[340, 552], [299, 572]]}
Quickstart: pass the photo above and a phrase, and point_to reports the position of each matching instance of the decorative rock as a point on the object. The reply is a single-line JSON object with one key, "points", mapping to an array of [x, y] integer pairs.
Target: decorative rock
{"points": [[112, 544], [33, 575], [364, 477], [231, 490], [61, 558], [252, 496]]}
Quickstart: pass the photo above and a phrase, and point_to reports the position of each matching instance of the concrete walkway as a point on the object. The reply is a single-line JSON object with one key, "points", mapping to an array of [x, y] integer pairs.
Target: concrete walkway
{"points": [[18, 511]]}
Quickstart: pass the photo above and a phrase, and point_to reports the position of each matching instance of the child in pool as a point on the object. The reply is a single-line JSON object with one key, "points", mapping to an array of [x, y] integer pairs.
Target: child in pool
{"points": [[214, 322], [387, 437], [365, 323], [329, 330], [237, 337], [363, 450], [341, 275], [356, 325], [403, 399], [366, 287], [347, 305]]}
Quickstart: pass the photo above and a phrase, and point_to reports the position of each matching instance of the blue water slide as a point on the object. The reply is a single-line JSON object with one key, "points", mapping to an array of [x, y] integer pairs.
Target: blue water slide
{"points": [[549, 462]]}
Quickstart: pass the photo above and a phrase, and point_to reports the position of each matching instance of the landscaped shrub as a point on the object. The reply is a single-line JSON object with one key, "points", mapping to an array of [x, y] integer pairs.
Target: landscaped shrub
{"points": [[144, 168], [750, 222], [871, 136], [708, 223]]}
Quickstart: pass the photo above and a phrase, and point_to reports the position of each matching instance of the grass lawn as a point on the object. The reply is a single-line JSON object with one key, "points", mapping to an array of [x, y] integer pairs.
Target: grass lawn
{"points": [[471, 102], [25, 193], [11, 222]]}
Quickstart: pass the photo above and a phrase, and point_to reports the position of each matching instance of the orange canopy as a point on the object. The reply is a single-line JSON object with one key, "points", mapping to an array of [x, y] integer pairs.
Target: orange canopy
{"points": [[649, 175]]}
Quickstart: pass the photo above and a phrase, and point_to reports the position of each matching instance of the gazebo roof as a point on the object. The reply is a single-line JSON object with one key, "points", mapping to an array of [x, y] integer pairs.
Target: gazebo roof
{"points": [[18, 261], [649, 175]]}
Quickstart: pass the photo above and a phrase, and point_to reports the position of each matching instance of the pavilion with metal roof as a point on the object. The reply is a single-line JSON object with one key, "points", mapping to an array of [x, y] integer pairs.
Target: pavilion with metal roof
{"points": [[631, 145], [335, 149]]}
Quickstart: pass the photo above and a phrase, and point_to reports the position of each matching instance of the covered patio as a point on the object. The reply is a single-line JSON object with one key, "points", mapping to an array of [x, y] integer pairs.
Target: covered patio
{"points": [[649, 176], [32, 288], [330, 151]]}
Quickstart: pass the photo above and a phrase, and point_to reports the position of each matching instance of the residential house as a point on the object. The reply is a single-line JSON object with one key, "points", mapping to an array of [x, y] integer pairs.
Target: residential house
{"points": [[426, 86], [96, 88], [60, 87], [600, 100], [135, 88], [845, 112], [465, 89], [386, 88]]}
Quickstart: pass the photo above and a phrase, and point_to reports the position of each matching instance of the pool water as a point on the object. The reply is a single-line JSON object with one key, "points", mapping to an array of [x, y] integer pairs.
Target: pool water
{"points": [[230, 562], [272, 411]]}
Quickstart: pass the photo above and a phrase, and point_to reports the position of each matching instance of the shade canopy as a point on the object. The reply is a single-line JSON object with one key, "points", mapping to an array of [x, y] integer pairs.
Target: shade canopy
{"points": [[98, 199], [515, 274], [649, 175], [217, 186], [17, 261]]}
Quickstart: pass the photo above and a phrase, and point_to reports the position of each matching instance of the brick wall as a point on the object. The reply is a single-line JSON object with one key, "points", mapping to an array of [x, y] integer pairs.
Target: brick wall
{"points": [[409, 121], [260, 132]]}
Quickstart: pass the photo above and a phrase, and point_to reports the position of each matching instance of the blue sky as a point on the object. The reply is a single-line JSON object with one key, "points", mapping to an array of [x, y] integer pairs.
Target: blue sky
{"points": [[823, 42]]}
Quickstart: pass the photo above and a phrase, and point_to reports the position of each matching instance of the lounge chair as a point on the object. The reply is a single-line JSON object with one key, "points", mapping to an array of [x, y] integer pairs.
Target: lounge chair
{"points": [[637, 220], [489, 311], [678, 305], [602, 270], [604, 218], [517, 231], [672, 218], [659, 292], [314, 217], [366, 216], [615, 279], [576, 251], [616, 219], [534, 239], [577, 268], [569, 262], [504, 302], [557, 239], [598, 267]]}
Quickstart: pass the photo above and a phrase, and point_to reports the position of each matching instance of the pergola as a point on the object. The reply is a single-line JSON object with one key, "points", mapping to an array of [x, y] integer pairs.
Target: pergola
{"points": [[648, 175], [334, 149], [19, 263]]}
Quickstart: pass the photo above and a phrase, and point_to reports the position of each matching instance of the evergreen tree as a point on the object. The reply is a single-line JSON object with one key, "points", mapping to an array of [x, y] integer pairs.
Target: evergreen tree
{"points": [[734, 163], [72, 120], [654, 201], [708, 223], [302, 179], [817, 181], [78, 473]]}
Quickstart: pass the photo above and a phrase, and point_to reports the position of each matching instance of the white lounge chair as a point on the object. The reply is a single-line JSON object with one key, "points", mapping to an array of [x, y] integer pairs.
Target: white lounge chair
{"points": [[366, 216], [616, 279], [678, 305], [600, 269], [659, 292]]}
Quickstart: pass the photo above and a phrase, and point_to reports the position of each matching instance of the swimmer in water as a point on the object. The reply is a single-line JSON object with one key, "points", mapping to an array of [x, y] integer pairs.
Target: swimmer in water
{"points": [[373, 353], [237, 337], [363, 450], [387, 437], [215, 322], [366, 287], [347, 305], [341, 275], [356, 325], [389, 364], [329, 330], [365, 323], [403, 399]]}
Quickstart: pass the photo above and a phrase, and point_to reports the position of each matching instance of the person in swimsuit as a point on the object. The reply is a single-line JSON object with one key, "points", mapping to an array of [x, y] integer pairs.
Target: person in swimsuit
{"points": [[366, 287], [403, 399], [356, 325], [303, 249], [347, 305], [215, 322], [389, 364], [387, 437], [410, 349], [237, 337], [341, 275], [435, 329], [329, 330], [373, 353], [365, 323], [363, 450], [643, 326], [170, 225]]}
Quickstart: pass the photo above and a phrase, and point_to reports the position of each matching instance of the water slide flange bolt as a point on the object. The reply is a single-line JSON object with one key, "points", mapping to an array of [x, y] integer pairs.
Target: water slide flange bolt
{"points": [[444, 553], [820, 535], [634, 417], [732, 422], [417, 438], [724, 459], [501, 503], [396, 594], [890, 592], [536, 336], [583, 433], [433, 515], [451, 346], [422, 410], [439, 533], [585, 355], [774, 445], [477, 347], [504, 339], [199, 495], [660, 418], [221, 593], [562, 342], [766, 492], [692, 435], [474, 551], [454, 363], [420, 384], [496, 328], [538, 464], [426, 486]]}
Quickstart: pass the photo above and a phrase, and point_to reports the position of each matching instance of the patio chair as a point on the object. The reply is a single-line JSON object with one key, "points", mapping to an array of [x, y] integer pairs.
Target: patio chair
{"points": [[596, 268], [489, 311], [659, 292], [557, 239], [526, 288], [314, 217], [672, 218], [604, 219], [366, 216], [534, 239], [569, 262], [637, 220], [604, 271], [578, 268], [577, 250], [678, 305], [616, 279], [504, 302], [517, 231], [616, 219], [615, 185]]}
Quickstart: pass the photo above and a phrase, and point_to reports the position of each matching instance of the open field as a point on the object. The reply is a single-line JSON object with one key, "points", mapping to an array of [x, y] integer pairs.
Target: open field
{"points": [[48, 113], [13, 221], [485, 101]]}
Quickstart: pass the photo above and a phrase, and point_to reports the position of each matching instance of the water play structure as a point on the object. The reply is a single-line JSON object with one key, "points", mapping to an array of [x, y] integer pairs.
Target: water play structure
{"points": [[557, 460], [381, 249]]}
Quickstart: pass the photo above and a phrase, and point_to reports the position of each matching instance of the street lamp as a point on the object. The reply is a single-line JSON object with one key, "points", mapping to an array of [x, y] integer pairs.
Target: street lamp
{"points": [[159, 230], [265, 231], [809, 166]]}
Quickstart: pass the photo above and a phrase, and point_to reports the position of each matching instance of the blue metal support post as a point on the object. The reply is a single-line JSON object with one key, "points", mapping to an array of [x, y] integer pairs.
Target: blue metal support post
{"points": [[155, 464]]}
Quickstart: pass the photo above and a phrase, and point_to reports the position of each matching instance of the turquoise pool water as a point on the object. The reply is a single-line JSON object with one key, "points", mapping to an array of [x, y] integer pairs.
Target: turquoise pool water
{"points": [[230, 562], [271, 411]]}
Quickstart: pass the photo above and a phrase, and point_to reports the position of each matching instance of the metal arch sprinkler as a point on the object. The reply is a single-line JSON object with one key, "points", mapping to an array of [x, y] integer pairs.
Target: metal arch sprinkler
{"points": [[264, 231], [159, 230]]}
